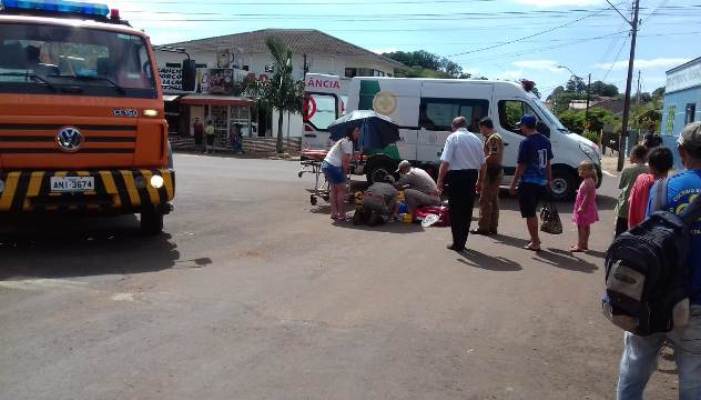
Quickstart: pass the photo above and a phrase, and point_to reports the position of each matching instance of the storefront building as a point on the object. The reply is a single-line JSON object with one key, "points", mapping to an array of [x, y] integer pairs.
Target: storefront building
{"points": [[213, 99], [682, 101], [224, 62]]}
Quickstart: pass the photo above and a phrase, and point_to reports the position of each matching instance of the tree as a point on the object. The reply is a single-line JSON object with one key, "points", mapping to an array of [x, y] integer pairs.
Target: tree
{"points": [[422, 64], [563, 99], [556, 92], [576, 84], [256, 89], [599, 88], [599, 118], [645, 97], [647, 116], [658, 94], [282, 92]]}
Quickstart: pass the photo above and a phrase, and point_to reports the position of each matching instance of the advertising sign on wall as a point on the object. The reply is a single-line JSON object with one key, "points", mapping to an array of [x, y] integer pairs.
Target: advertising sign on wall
{"points": [[215, 81], [684, 78], [172, 78]]}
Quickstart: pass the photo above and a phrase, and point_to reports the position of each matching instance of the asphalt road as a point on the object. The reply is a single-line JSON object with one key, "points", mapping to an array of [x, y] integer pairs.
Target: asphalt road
{"points": [[254, 294]]}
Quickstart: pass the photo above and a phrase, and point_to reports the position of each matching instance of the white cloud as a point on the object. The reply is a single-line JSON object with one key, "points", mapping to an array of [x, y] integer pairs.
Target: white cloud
{"points": [[558, 3], [644, 64], [542, 65], [511, 75], [472, 71]]}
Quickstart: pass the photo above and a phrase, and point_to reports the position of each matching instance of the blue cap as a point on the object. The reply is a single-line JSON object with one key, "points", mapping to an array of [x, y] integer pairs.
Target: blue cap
{"points": [[528, 121]]}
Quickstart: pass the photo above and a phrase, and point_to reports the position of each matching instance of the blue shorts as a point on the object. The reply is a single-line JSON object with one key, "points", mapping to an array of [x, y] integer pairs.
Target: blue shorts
{"points": [[334, 174]]}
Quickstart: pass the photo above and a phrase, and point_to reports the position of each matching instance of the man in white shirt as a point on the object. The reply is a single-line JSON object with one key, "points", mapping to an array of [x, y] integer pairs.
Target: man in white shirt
{"points": [[462, 158]]}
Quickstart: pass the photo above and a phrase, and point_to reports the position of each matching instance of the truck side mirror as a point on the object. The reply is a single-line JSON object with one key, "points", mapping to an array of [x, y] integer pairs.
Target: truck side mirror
{"points": [[189, 72]]}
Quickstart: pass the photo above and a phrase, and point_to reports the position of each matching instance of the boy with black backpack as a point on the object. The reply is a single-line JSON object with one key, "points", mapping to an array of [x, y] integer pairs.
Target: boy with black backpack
{"points": [[655, 320]]}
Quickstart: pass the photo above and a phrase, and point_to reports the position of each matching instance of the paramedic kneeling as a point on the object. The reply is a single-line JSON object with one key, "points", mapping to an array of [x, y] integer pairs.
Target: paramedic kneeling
{"points": [[419, 188], [461, 161], [640, 353]]}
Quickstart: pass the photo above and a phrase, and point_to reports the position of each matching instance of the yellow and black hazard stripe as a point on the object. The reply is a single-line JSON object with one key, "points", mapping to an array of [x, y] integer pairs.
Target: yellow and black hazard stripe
{"points": [[115, 190]]}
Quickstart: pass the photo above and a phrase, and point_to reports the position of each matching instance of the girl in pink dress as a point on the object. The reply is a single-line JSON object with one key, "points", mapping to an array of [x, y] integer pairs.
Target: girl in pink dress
{"points": [[585, 211]]}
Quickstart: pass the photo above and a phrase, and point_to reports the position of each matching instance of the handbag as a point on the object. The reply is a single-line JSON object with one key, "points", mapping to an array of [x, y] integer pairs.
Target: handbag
{"points": [[550, 219]]}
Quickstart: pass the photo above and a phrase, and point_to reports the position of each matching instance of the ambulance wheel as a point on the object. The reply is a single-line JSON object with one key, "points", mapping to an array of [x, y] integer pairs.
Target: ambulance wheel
{"points": [[379, 168], [564, 184], [151, 222]]}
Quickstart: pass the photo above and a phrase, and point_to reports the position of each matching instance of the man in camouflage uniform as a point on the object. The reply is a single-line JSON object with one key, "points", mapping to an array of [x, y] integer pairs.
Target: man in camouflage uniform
{"points": [[490, 178]]}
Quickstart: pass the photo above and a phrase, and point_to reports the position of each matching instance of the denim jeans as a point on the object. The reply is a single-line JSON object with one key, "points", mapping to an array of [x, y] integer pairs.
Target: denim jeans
{"points": [[640, 354]]}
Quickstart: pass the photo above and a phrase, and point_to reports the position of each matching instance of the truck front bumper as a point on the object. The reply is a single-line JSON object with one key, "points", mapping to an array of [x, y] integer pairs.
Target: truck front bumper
{"points": [[115, 191]]}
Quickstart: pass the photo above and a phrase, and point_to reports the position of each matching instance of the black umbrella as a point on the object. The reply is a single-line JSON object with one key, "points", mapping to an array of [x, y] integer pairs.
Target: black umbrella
{"points": [[377, 131]]}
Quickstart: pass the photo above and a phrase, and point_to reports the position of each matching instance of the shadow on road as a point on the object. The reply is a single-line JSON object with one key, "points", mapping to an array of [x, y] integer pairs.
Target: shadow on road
{"points": [[565, 260], [507, 202], [510, 240], [480, 260], [606, 202], [390, 227], [596, 253], [60, 247], [555, 257]]}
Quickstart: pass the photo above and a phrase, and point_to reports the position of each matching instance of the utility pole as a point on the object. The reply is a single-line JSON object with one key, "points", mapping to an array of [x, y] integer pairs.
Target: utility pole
{"points": [[305, 67], [586, 115], [626, 103]]}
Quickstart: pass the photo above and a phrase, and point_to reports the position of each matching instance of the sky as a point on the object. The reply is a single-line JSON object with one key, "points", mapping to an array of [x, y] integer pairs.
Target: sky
{"points": [[499, 39]]}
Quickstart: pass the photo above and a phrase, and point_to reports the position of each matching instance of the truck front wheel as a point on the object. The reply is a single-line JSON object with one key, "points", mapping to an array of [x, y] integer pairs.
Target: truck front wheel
{"points": [[151, 222]]}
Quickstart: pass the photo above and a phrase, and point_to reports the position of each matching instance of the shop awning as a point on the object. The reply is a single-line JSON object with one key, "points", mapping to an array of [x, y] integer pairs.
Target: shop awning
{"points": [[214, 100]]}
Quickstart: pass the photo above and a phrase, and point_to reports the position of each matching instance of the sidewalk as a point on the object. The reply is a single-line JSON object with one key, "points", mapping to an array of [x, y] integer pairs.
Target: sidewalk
{"points": [[609, 164]]}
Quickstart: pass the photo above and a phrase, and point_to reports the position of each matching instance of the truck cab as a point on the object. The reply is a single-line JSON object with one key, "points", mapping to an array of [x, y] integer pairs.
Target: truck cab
{"points": [[82, 125]]}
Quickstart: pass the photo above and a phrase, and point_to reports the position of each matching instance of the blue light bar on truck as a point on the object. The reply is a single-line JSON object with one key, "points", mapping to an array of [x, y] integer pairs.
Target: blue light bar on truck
{"points": [[56, 7]]}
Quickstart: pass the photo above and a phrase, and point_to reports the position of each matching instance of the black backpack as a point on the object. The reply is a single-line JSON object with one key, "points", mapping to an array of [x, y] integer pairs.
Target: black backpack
{"points": [[647, 272]]}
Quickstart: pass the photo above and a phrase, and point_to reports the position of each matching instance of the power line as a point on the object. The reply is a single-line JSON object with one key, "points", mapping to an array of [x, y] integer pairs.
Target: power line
{"points": [[612, 44], [538, 49], [527, 36], [615, 59], [616, 38], [659, 6], [209, 16], [318, 3]]}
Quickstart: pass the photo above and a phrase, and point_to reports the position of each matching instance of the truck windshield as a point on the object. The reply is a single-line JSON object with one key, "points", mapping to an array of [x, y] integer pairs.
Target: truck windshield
{"points": [[74, 61]]}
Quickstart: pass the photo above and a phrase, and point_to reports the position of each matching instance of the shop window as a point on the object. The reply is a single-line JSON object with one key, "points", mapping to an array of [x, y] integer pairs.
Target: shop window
{"points": [[438, 114], [690, 113], [510, 113], [351, 72]]}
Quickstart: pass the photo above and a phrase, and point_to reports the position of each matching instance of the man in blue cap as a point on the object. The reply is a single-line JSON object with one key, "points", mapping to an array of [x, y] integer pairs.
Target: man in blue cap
{"points": [[533, 175]]}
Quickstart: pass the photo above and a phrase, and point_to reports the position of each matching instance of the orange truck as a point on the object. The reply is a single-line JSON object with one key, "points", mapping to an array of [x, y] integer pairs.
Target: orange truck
{"points": [[82, 126]]}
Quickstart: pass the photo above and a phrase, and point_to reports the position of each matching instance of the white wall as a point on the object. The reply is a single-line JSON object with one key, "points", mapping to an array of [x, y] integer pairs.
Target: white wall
{"points": [[319, 62], [294, 123]]}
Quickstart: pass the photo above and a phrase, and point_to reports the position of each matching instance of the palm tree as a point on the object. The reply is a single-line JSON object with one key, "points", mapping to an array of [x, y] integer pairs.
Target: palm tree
{"points": [[282, 92], [256, 90]]}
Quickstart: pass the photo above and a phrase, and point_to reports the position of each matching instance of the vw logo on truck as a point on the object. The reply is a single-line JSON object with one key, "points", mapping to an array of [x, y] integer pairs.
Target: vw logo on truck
{"points": [[69, 139]]}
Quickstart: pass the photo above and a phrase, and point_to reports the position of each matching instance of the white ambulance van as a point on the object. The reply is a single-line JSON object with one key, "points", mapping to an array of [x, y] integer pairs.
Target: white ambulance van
{"points": [[425, 108]]}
